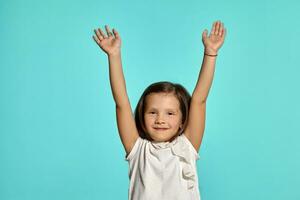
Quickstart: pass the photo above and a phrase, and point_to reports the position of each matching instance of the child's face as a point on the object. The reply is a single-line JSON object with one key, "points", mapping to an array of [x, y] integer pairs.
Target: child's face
{"points": [[162, 116]]}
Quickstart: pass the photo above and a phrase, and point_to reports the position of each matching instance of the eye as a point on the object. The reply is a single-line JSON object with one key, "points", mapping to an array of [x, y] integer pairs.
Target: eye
{"points": [[170, 113], [152, 112]]}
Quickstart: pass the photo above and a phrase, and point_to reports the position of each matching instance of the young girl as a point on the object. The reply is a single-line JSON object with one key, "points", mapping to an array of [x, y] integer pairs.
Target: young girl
{"points": [[163, 140]]}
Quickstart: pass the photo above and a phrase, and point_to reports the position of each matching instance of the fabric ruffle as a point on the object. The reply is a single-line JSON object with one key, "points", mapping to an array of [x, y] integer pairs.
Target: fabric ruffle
{"points": [[180, 149]]}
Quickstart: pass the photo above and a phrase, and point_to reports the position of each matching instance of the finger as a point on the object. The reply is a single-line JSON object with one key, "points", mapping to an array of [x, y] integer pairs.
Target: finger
{"points": [[213, 29], [224, 32], [96, 39], [98, 34], [102, 33], [204, 34], [221, 29], [116, 33], [108, 31], [217, 32]]}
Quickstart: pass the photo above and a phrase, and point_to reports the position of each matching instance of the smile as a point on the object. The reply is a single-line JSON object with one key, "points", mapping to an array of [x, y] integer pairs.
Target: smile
{"points": [[160, 129]]}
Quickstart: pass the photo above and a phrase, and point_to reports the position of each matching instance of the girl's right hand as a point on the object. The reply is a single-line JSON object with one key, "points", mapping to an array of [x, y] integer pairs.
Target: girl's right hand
{"points": [[109, 44]]}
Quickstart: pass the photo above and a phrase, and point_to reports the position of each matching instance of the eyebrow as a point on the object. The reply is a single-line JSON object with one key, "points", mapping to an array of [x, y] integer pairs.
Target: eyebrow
{"points": [[168, 109]]}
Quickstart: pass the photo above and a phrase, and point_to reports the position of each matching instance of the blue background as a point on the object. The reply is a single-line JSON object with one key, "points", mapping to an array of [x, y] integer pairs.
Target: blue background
{"points": [[59, 137]]}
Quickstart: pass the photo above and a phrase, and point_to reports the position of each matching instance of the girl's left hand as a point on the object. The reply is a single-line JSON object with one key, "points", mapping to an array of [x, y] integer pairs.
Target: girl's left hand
{"points": [[216, 38]]}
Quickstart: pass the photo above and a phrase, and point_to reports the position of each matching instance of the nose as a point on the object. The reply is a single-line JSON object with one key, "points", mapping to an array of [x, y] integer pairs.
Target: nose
{"points": [[159, 120]]}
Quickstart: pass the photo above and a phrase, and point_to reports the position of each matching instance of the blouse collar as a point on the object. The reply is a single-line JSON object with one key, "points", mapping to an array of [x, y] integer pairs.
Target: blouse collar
{"points": [[180, 149]]}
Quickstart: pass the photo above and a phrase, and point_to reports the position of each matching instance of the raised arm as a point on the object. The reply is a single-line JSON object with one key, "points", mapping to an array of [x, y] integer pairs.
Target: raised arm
{"points": [[196, 120], [111, 45]]}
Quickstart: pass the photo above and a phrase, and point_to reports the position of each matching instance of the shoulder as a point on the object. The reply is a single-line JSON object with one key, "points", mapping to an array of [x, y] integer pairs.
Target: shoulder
{"points": [[136, 147], [184, 140]]}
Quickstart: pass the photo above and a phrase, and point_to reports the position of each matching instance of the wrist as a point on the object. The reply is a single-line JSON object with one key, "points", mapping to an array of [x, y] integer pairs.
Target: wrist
{"points": [[114, 54], [210, 51]]}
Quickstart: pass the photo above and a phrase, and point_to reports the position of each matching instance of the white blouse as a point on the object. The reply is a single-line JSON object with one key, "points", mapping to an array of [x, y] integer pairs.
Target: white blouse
{"points": [[163, 170]]}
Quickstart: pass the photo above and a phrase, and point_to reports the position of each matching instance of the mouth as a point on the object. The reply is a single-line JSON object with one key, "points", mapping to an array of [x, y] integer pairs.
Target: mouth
{"points": [[161, 129]]}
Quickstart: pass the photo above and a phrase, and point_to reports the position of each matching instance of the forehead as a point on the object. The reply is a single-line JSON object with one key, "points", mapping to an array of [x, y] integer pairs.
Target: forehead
{"points": [[162, 100]]}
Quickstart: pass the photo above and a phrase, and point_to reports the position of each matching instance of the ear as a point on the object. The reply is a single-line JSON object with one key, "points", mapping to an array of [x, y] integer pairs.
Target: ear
{"points": [[180, 129], [181, 126]]}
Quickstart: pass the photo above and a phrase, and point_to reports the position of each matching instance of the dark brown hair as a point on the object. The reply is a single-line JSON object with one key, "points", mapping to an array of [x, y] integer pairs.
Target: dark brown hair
{"points": [[179, 92]]}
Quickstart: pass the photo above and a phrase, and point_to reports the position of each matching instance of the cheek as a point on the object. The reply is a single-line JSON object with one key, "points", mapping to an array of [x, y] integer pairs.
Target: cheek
{"points": [[177, 122], [148, 120]]}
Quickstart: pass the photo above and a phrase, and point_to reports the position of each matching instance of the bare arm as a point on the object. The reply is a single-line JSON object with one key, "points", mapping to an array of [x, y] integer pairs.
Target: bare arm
{"points": [[205, 78], [126, 124], [117, 80], [125, 121], [197, 111]]}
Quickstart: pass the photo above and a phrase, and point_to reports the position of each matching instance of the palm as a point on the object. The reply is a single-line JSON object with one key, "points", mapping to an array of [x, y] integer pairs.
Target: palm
{"points": [[216, 38], [110, 44]]}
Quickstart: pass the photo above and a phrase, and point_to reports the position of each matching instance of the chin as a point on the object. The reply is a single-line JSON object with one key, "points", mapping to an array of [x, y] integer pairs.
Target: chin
{"points": [[160, 138]]}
